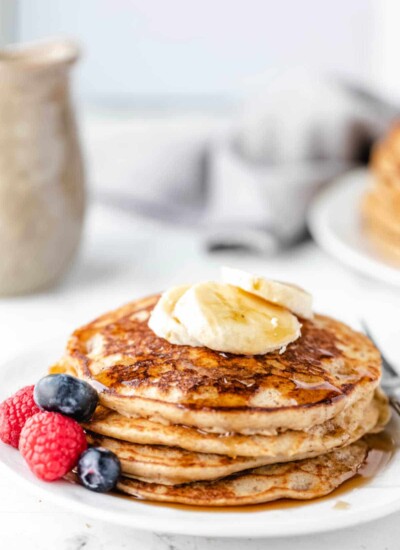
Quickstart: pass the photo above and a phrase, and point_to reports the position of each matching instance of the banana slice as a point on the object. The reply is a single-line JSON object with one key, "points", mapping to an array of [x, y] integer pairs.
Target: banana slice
{"points": [[225, 318], [286, 295], [163, 322]]}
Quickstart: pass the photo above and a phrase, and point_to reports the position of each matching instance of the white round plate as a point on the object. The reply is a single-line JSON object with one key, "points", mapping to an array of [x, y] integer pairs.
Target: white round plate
{"points": [[334, 222], [379, 497]]}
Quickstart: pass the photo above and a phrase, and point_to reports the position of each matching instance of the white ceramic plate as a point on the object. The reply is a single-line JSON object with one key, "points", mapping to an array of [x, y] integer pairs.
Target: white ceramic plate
{"points": [[334, 221], [378, 498]]}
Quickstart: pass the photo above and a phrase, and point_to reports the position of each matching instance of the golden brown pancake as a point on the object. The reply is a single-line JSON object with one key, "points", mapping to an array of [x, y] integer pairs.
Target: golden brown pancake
{"points": [[380, 206], [380, 214], [305, 479], [173, 465], [384, 245], [382, 225], [351, 424], [385, 166], [385, 157], [327, 369]]}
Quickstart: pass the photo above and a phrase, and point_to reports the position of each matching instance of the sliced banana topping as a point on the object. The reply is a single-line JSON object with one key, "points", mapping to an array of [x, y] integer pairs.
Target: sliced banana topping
{"points": [[286, 295], [163, 321], [225, 318], [244, 314]]}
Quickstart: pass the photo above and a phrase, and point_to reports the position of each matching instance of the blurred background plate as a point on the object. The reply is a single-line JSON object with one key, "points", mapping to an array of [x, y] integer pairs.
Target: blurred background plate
{"points": [[334, 222]]}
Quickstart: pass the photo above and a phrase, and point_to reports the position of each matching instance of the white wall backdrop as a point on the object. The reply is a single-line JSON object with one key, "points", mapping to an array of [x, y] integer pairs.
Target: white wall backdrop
{"points": [[208, 48], [386, 48]]}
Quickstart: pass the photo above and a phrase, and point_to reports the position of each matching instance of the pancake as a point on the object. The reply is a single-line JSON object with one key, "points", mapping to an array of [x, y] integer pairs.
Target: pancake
{"points": [[329, 368], [173, 465], [381, 222], [301, 480], [385, 159], [380, 206], [349, 425], [385, 166], [380, 214], [384, 244], [170, 465]]}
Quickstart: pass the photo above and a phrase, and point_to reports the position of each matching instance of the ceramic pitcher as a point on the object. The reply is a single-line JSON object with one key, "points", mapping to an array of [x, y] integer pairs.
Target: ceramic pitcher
{"points": [[41, 175]]}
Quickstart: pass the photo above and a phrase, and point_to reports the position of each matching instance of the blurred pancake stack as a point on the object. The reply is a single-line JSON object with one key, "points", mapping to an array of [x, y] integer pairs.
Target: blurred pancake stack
{"points": [[381, 204], [196, 426]]}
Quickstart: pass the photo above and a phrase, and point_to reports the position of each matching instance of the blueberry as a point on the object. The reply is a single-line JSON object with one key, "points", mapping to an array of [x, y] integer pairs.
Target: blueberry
{"points": [[67, 395], [99, 469]]}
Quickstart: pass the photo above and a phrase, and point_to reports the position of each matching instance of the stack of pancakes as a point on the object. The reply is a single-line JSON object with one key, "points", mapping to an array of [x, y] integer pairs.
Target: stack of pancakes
{"points": [[381, 204], [200, 427]]}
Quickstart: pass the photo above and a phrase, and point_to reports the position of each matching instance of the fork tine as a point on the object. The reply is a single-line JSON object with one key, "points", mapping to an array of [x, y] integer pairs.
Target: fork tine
{"points": [[385, 363]]}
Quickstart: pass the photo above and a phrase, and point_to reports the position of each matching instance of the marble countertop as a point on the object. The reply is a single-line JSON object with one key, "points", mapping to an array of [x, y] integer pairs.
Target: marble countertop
{"points": [[123, 257]]}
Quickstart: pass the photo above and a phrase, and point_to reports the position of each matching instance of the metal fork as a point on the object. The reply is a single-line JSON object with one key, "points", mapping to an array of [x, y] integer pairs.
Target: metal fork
{"points": [[390, 377]]}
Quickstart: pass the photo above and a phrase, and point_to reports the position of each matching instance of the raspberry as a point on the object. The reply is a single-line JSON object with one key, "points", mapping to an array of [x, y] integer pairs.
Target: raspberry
{"points": [[51, 444], [14, 412]]}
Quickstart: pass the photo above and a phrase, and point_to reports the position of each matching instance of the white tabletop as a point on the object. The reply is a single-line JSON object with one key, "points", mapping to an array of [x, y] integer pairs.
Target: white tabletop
{"points": [[124, 257]]}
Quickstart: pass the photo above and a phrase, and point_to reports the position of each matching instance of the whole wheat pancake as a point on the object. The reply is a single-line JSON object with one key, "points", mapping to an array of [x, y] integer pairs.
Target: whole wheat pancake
{"points": [[380, 213], [388, 197], [305, 479], [385, 159], [173, 465], [382, 226], [380, 206], [384, 165], [352, 423], [326, 370], [384, 244]]}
